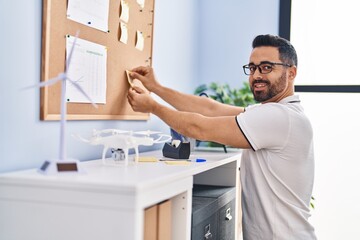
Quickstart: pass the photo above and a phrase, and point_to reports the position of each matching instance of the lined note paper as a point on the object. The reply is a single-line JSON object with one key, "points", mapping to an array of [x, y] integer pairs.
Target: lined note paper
{"points": [[88, 69], [92, 13]]}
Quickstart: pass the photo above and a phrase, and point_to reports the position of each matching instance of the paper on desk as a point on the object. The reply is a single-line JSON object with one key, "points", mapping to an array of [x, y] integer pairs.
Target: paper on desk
{"points": [[147, 159], [92, 13], [178, 162], [88, 69]]}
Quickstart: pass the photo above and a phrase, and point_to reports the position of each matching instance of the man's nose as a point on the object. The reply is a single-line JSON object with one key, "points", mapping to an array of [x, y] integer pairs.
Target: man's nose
{"points": [[257, 74]]}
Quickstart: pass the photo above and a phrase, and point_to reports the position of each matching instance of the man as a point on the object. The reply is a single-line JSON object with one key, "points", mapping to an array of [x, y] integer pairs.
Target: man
{"points": [[277, 165]]}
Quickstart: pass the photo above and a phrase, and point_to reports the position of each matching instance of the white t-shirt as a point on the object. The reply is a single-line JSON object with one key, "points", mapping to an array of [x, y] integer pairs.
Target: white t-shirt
{"points": [[277, 174]]}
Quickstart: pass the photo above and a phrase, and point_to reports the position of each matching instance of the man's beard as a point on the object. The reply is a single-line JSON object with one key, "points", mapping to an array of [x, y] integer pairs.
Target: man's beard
{"points": [[272, 90]]}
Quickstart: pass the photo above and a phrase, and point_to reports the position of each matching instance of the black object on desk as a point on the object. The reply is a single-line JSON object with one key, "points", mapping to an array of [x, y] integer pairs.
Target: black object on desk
{"points": [[180, 152]]}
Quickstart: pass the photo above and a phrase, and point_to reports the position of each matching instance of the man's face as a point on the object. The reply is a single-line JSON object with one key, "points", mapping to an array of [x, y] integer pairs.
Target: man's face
{"points": [[266, 86]]}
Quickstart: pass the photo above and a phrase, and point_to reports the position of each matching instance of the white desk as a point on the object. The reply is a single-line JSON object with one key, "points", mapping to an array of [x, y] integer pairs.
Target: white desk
{"points": [[107, 202]]}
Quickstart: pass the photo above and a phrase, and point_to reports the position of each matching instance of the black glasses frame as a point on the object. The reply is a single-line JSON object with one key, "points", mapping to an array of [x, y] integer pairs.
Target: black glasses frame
{"points": [[261, 67]]}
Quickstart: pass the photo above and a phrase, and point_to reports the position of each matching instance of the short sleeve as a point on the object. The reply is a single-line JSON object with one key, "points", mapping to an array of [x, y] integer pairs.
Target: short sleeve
{"points": [[265, 126]]}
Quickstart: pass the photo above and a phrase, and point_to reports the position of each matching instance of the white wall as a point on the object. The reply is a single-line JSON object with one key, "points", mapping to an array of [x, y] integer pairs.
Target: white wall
{"points": [[325, 39], [326, 44], [226, 30], [175, 40], [335, 118]]}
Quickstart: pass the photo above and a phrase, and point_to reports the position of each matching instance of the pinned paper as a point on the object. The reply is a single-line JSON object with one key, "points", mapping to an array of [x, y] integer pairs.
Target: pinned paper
{"points": [[141, 3], [92, 13], [86, 57], [130, 80], [139, 41], [124, 33], [124, 15]]}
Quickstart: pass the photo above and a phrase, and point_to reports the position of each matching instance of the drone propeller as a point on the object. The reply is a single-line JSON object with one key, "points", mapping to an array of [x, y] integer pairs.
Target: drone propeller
{"points": [[112, 131], [147, 132], [163, 138]]}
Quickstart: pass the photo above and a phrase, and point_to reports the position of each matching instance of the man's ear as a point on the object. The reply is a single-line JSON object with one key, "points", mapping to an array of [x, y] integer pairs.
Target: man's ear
{"points": [[293, 72]]}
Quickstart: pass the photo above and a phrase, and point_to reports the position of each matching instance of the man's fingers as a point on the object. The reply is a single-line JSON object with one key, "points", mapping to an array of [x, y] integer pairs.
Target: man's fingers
{"points": [[135, 75], [131, 93], [141, 69], [138, 89]]}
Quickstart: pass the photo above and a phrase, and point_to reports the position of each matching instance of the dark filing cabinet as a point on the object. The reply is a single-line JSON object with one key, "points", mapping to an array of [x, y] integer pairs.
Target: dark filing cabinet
{"points": [[213, 212]]}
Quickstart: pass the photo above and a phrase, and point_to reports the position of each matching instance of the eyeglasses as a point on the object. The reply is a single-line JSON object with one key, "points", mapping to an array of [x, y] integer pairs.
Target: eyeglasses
{"points": [[264, 67]]}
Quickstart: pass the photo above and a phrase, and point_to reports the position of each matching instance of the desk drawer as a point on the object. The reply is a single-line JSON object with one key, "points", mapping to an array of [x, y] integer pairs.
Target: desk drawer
{"points": [[205, 218], [213, 215]]}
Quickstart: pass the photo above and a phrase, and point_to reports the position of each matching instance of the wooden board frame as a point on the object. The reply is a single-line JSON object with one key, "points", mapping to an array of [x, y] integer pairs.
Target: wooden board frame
{"points": [[120, 56]]}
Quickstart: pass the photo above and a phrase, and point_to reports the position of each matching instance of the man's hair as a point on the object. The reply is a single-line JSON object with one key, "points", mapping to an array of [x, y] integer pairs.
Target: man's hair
{"points": [[286, 49]]}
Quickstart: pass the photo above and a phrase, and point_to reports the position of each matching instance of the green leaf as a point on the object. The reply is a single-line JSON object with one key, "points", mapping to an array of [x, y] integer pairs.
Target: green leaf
{"points": [[312, 205], [224, 93]]}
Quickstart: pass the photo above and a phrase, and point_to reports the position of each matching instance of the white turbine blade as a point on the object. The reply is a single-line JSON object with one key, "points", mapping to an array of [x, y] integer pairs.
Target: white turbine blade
{"points": [[45, 83], [71, 52], [79, 138], [78, 87]]}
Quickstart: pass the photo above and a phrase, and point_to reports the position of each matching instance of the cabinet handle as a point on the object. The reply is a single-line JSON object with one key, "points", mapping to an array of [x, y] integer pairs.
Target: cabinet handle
{"points": [[208, 234], [228, 216]]}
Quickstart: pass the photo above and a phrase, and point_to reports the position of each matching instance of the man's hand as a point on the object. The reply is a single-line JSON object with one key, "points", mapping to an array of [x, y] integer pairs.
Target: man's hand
{"points": [[147, 77], [140, 100]]}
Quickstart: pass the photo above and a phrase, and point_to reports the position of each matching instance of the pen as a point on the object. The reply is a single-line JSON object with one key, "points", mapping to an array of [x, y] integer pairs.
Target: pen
{"points": [[197, 160], [189, 160]]}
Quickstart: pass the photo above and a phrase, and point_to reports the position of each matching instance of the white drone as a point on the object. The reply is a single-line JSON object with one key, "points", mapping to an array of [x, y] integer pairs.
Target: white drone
{"points": [[124, 140]]}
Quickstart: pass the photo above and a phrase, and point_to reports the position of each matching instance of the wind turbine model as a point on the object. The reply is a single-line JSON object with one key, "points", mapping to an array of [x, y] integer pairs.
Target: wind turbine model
{"points": [[63, 164]]}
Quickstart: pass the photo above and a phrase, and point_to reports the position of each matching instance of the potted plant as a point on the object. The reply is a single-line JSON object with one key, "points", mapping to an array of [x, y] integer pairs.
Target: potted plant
{"points": [[223, 93]]}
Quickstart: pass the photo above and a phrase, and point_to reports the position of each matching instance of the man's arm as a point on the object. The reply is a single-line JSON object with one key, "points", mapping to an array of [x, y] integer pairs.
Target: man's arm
{"points": [[182, 101], [223, 129]]}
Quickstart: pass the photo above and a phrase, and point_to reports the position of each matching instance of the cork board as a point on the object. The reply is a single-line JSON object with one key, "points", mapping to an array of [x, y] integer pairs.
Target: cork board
{"points": [[120, 57]]}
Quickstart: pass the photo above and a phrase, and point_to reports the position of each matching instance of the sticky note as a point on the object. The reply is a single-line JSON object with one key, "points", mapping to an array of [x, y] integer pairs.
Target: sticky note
{"points": [[180, 162], [124, 33], [141, 3], [139, 41], [130, 80], [124, 15], [147, 159]]}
